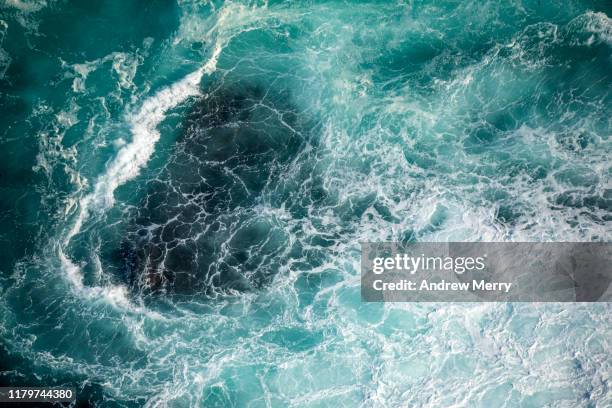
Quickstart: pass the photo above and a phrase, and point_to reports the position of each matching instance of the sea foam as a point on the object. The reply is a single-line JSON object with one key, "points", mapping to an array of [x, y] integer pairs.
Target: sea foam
{"points": [[128, 163]]}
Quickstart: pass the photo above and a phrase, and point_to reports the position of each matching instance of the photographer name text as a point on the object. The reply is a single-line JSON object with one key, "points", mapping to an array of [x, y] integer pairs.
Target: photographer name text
{"points": [[424, 285]]}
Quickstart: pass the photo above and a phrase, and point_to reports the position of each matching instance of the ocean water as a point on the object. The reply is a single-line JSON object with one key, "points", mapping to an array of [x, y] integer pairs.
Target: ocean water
{"points": [[184, 187]]}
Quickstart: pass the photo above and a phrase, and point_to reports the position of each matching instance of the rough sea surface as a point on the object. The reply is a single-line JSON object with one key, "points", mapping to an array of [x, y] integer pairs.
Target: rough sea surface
{"points": [[184, 186]]}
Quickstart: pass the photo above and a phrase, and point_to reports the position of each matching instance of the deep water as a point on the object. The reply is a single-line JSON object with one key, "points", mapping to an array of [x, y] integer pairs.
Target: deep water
{"points": [[184, 188]]}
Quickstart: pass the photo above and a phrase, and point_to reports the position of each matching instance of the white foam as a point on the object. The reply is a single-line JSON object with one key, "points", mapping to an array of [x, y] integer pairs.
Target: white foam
{"points": [[127, 164], [5, 58], [599, 24], [26, 6]]}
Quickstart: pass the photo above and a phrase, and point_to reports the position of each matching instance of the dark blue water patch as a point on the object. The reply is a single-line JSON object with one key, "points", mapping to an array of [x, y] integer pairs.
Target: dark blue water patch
{"points": [[21, 190], [198, 227], [85, 26]]}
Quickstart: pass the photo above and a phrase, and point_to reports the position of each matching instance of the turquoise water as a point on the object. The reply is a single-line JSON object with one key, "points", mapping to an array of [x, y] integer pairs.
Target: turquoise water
{"points": [[184, 187]]}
